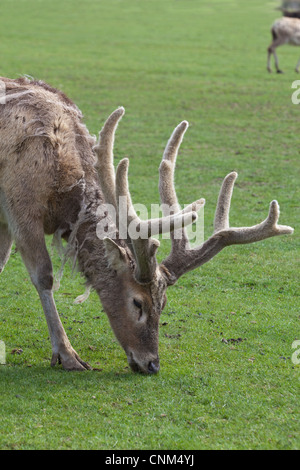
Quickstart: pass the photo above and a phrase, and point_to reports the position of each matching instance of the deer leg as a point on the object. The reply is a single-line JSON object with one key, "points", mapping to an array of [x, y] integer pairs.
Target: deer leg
{"points": [[39, 266], [5, 245], [276, 63], [272, 50], [297, 66]]}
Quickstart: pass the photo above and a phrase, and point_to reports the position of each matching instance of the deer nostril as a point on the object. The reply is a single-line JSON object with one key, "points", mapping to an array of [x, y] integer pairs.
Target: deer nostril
{"points": [[152, 368]]}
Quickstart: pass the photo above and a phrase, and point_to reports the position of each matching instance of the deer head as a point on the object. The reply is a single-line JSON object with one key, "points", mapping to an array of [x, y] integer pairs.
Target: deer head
{"points": [[140, 280]]}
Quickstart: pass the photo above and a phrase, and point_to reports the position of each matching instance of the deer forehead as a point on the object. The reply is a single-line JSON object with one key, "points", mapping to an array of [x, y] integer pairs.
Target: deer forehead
{"points": [[151, 295]]}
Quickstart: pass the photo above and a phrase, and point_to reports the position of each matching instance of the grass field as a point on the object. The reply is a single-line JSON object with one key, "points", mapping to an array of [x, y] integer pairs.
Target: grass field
{"points": [[165, 61]]}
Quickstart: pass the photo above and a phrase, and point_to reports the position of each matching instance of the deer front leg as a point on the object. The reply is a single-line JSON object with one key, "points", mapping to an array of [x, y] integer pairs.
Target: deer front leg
{"points": [[269, 59], [62, 350], [38, 263], [272, 50], [276, 62], [5, 245]]}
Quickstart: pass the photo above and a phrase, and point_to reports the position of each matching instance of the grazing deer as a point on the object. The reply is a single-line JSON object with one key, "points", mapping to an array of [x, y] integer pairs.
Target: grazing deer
{"points": [[53, 178], [284, 31]]}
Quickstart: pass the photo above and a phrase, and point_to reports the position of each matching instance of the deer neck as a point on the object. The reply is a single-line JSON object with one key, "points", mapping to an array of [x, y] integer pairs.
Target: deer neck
{"points": [[85, 243]]}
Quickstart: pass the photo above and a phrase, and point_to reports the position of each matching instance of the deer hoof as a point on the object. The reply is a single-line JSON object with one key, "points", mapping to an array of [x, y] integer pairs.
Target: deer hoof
{"points": [[279, 71], [70, 362]]}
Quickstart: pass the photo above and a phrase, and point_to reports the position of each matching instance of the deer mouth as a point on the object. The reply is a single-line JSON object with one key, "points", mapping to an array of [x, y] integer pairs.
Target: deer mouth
{"points": [[151, 367]]}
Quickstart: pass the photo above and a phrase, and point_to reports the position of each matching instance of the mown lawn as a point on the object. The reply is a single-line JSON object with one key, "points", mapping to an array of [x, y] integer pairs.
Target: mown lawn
{"points": [[164, 62]]}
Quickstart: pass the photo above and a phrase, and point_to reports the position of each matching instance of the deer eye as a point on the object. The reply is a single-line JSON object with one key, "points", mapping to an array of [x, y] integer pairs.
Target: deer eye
{"points": [[139, 306]]}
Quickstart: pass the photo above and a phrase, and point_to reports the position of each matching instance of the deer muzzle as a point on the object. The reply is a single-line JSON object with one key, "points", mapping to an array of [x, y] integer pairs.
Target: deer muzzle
{"points": [[145, 366]]}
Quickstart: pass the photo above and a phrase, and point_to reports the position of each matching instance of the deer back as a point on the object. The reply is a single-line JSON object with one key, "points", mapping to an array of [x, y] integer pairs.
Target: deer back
{"points": [[46, 157]]}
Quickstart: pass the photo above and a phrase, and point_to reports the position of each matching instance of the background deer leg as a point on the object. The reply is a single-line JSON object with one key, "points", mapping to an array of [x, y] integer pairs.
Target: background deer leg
{"points": [[39, 266], [269, 59], [276, 62], [5, 245], [272, 50], [297, 66]]}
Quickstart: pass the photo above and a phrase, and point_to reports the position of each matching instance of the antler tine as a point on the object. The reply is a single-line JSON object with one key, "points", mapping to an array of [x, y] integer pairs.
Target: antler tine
{"points": [[223, 205], [167, 168], [104, 151], [126, 212], [266, 229], [167, 189], [272, 220]]}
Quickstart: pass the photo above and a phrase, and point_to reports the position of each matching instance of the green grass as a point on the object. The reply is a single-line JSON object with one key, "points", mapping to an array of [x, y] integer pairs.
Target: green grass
{"points": [[165, 62]]}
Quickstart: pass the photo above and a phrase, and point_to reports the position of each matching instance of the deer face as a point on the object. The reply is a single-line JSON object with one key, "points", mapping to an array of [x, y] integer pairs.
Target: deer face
{"points": [[135, 311]]}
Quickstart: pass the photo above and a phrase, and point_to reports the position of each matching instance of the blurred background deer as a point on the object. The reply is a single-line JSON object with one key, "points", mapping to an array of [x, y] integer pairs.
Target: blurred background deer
{"points": [[285, 30]]}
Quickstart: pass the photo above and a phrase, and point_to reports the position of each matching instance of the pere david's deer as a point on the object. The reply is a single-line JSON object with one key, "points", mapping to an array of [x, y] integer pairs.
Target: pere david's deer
{"points": [[286, 30], [53, 178]]}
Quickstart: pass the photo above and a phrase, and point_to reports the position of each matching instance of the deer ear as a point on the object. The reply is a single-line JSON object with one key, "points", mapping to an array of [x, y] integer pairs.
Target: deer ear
{"points": [[115, 254]]}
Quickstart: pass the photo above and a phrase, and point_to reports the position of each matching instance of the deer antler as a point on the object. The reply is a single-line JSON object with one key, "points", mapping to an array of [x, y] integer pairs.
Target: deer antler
{"points": [[104, 151], [182, 259], [137, 232]]}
